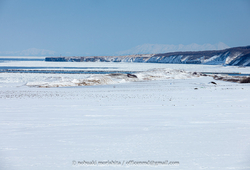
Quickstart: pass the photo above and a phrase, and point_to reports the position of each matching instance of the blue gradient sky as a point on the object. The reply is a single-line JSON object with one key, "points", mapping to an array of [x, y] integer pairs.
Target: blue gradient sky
{"points": [[104, 27]]}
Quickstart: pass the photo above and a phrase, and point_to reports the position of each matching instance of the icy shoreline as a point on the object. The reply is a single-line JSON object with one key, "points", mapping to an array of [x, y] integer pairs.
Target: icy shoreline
{"points": [[236, 56]]}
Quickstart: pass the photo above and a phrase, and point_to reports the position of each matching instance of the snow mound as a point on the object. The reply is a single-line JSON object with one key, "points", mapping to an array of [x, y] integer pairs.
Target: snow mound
{"points": [[115, 78]]}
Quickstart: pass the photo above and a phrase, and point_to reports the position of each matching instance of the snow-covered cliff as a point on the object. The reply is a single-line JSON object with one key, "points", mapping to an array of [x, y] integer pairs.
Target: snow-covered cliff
{"points": [[237, 56]]}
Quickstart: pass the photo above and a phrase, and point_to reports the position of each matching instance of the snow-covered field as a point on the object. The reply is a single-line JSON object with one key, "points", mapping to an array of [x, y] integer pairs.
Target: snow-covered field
{"points": [[171, 116]]}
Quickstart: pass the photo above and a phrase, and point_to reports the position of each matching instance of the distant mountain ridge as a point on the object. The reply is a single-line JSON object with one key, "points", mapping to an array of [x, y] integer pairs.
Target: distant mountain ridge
{"points": [[29, 52], [237, 56], [164, 48]]}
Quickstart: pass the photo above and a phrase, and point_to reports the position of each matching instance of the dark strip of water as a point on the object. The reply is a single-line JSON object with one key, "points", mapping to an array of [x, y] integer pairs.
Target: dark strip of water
{"points": [[22, 59], [239, 74], [64, 71], [8, 67]]}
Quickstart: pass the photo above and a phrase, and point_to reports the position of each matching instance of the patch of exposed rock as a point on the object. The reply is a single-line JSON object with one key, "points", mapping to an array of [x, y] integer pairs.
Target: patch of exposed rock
{"points": [[236, 79]]}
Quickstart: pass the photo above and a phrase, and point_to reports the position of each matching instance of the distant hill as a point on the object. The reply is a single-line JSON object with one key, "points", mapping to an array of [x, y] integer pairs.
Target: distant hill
{"points": [[237, 56], [165, 48]]}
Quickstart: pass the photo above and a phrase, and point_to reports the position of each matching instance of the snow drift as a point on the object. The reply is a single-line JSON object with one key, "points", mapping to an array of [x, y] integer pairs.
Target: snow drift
{"points": [[115, 78]]}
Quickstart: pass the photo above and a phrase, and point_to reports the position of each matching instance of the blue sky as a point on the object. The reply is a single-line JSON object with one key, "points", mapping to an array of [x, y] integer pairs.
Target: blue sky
{"points": [[105, 27]]}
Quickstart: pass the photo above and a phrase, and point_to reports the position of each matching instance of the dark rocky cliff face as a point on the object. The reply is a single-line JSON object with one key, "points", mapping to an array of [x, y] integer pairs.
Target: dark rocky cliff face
{"points": [[237, 56]]}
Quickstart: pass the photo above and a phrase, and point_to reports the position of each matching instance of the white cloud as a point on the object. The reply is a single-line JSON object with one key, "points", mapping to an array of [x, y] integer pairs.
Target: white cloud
{"points": [[164, 48]]}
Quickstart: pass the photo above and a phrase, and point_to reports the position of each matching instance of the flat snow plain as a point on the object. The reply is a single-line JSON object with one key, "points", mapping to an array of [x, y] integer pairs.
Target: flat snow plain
{"points": [[190, 121]]}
